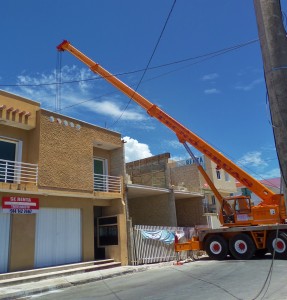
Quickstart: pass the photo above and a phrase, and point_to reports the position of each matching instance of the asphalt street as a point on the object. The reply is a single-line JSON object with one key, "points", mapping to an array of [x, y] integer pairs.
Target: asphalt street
{"points": [[202, 279]]}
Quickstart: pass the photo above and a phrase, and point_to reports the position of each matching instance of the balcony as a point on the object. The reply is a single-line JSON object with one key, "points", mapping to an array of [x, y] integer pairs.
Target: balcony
{"points": [[107, 183], [15, 173]]}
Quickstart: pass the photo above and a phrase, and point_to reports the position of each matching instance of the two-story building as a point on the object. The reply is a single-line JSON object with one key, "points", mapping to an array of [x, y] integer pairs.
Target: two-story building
{"points": [[61, 189]]}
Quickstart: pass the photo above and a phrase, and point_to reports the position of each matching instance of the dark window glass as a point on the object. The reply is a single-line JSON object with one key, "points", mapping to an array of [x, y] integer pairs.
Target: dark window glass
{"points": [[7, 152], [108, 221], [108, 235]]}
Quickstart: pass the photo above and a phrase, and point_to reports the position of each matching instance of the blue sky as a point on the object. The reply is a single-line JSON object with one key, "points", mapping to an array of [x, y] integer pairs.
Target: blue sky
{"points": [[222, 99]]}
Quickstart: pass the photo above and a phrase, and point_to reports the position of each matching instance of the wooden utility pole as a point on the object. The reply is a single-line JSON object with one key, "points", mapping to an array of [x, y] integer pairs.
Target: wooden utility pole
{"points": [[273, 43]]}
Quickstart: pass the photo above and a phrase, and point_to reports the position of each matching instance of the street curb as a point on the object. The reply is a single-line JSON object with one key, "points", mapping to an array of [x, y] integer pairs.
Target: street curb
{"points": [[62, 283]]}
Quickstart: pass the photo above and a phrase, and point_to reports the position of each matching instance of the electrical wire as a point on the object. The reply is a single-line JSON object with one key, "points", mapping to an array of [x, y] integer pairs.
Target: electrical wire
{"points": [[151, 57], [58, 75], [275, 126], [283, 16], [267, 281], [215, 53], [209, 282], [207, 56], [197, 62]]}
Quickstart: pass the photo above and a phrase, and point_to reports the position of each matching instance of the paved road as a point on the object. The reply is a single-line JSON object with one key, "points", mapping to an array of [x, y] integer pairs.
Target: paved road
{"points": [[203, 279]]}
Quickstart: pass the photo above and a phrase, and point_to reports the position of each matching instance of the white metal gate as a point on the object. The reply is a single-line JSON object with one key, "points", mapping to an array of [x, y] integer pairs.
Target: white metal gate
{"points": [[58, 237], [146, 251], [4, 241]]}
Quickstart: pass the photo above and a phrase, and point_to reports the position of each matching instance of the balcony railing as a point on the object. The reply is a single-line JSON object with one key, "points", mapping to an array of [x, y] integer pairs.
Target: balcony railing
{"points": [[106, 183], [18, 172]]}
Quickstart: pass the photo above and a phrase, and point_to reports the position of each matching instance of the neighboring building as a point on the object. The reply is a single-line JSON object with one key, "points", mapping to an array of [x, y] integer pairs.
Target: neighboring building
{"points": [[224, 183], [273, 184], [61, 189], [173, 193]]}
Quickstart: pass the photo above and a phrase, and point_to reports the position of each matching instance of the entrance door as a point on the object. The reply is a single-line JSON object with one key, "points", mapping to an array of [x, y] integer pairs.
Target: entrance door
{"points": [[100, 170], [7, 158]]}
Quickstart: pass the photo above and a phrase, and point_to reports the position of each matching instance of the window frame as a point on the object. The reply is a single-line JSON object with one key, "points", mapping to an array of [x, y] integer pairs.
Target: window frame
{"points": [[100, 245]]}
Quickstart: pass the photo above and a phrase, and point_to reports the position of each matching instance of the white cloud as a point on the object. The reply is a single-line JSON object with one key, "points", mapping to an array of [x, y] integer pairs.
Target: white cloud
{"points": [[211, 91], [273, 173], [112, 109], [135, 150], [74, 93], [252, 159], [249, 86], [174, 144], [210, 76], [178, 157]]}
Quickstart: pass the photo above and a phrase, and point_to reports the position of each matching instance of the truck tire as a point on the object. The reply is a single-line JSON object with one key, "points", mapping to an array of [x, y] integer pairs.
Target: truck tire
{"points": [[280, 244], [216, 247], [242, 246]]}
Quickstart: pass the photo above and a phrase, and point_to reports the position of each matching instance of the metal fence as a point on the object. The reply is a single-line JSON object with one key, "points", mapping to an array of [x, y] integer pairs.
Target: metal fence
{"points": [[147, 251], [18, 172], [107, 183]]}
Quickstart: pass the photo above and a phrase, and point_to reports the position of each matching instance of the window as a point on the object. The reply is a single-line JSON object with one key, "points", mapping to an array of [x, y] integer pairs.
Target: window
{"points": [[108, 231], [213, 201], [227, 177], [245, 192], [10, 151], [218, 175]]}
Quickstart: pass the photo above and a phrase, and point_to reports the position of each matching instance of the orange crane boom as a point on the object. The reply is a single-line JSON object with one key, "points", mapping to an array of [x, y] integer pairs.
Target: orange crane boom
{"points": [[184, 134]]}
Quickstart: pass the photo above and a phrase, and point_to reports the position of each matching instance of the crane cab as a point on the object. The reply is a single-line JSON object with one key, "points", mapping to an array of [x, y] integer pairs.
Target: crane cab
{"points": [[239, 211]]}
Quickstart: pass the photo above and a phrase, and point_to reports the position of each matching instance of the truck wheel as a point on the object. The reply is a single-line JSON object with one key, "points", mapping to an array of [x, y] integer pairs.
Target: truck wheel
{"points": [[280, 244], [242, 246], [216, 247]]}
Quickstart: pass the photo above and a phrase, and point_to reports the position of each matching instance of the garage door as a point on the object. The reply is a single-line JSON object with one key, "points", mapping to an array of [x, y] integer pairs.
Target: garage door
{"points": [[4, 241], [58, 237]]}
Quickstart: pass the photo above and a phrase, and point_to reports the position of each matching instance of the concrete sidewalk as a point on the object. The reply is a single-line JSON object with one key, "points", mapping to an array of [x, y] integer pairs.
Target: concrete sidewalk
{"points": [[37, 287]]}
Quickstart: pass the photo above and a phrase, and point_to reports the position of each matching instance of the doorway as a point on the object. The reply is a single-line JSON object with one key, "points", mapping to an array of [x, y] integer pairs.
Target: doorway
{"points": [[99, 252], [100, 170]]}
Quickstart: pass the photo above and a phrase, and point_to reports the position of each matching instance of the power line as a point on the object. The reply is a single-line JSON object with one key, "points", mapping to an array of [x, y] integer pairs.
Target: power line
{"points": [[207, 56], [151, 57]]}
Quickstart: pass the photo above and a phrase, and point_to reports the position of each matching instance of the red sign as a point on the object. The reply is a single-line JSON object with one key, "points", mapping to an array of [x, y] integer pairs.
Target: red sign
{"points": [[20, 205]]}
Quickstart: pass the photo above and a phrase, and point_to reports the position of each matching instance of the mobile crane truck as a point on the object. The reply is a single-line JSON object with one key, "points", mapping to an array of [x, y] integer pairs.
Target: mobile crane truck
{"points": [[246, 229]]}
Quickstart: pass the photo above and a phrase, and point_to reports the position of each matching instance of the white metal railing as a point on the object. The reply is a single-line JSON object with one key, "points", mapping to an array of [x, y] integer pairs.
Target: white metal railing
{"points": [[18, 172], [107, 183], [147, 251]]}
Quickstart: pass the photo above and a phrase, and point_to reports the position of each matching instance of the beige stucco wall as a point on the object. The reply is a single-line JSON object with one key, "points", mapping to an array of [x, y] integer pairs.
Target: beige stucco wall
{"points": [[22, 241], [222, 184], [23, 228], [19, 107]]}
